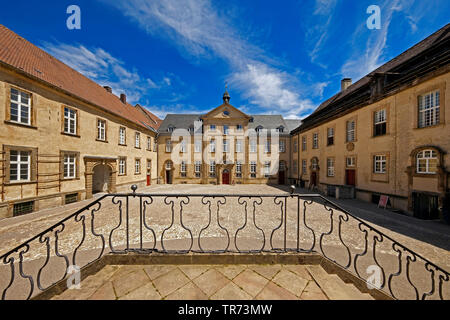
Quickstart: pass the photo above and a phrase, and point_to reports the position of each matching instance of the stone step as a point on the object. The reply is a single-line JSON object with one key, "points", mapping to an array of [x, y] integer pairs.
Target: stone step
{"points": [[334, 287]]}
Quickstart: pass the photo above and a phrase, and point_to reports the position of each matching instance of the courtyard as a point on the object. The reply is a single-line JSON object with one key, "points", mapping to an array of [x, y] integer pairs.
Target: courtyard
{"points": [[181, 218]]}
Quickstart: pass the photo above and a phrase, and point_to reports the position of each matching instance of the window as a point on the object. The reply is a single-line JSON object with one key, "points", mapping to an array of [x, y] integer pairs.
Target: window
{"points": [[330, 136], [70, 165], [226, 130], [429, 105], [212, 169], [304, 169], [226, 113], [259, 129], [212, 127], [379, 123], [295, 165], [427, 162], [238, 169], [101, 130], [267, 146], [282, 146], [168, 145], [330, 167], [70, 121], [282, 166], [71, 198], [169, 165], [239, 146], [137, 143], [304, 143], [198, 146], [252, 145], [122, 136], [379, 164], [266, 169], [183, 169], [253, 169], [225, 146], [314, 164], [295, 146], [212, 145], [351, 130], [280, 129], [20, 107], [171, 129], [149, 143], [20, 209], [137, 166], [149, 166], [198, 167], [351, 162], [315, 140], [183, 148], [122, 166], [19, 166], [239, 127]]}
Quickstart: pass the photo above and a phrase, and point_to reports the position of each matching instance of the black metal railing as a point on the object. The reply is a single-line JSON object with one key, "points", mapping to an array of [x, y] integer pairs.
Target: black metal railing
{"points": [[180, 223]]}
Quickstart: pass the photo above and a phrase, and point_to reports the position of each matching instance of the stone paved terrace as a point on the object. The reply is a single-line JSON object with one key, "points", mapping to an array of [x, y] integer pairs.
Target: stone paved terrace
{"points": [[214, 282]]}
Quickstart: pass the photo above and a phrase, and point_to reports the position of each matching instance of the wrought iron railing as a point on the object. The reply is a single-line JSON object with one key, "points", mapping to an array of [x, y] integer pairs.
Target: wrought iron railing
{"points": [[180, 223]]}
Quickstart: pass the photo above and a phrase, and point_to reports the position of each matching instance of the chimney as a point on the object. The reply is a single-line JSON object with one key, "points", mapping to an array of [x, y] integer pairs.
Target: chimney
{"points": [[108, 89], [123, 98], [345, 83]]}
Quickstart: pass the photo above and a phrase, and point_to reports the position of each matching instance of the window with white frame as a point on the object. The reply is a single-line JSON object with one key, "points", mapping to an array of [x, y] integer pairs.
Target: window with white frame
{"points": [[253, 145], [168, 145], [295, 146], [212, 169], [315, 140], [19, 166], [379, 164], [304, 143], [239, 127], [239, 144], [198, 167], [20, 107], [198, 145], [183, 148], [122, 136], [351, 162], [295, 165], [183, 169], [70, 121], [267, 146], [225, 146], [266, 169], [171, 129], [427, 162], [429, 109], [330, 136], [212, 145], [122, 166], [351, 125], [379, 123], [70, 165], [226, 130], [101, 130], [212, 127], [330, 167], [137, 143], [314, 164], [253, 169], [137, 166], [282, 146], [169, 165], [280, 129], [238, 169], [149, 143], [304, 166]]}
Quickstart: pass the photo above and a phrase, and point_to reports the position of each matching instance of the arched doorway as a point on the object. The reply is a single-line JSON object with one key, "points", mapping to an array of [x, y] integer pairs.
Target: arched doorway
{"points": [[101, 178], [226, 176]]}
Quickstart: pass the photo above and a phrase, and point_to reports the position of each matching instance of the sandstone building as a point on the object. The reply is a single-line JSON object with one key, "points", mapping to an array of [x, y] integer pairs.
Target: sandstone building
{"points": [[387, 134], [225, 146], [62, 136]]}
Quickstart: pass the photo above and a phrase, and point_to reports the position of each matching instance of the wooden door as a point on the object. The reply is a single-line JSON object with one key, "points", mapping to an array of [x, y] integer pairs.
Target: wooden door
{"points": [[226, 177], [350, 178]]}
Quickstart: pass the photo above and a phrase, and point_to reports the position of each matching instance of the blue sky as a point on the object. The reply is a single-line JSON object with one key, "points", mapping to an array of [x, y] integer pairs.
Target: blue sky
{"points": [[175, 56]]}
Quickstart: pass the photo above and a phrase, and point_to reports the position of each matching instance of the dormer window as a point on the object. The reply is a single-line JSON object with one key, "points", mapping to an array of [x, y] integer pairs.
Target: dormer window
{"points": [[251, 120], [280, 129], [171, 129], [259, 129]]}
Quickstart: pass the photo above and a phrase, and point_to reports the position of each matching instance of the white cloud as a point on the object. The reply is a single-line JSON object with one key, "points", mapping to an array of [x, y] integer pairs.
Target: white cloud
{"points": [[201, 31], [103, 68]]}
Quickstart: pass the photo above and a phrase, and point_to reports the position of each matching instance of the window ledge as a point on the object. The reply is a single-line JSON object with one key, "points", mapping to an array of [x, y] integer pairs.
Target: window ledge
{"points": [[11, 184], [429, 127], [104, 141], [20, 124], [122, 145], [70, 135], [69, 179]]}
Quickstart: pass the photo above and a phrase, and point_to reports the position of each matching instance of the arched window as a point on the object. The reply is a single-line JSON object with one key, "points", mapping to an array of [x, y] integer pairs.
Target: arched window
{"points": [[314, 163], [427, 162], [169, 165]]}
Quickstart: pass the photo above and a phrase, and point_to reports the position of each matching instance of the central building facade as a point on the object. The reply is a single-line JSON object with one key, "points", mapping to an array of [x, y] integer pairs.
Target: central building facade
{"points": [[225, 146]]}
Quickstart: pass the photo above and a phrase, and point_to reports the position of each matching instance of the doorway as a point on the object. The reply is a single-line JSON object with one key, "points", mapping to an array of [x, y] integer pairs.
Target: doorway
{"points": [[226, 176], [350, 177], [168, 177], [101, 178], [425, 206]]}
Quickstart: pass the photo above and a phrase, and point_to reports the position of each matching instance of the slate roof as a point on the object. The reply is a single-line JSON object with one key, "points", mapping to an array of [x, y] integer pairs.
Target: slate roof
{"points": [[24, 57], [433, 40]]}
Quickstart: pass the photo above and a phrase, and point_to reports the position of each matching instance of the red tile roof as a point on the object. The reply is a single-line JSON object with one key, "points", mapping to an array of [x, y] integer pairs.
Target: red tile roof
{"points": [[20, 54]]}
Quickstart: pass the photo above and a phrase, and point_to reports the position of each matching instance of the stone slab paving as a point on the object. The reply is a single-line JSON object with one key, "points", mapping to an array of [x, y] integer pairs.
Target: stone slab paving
{"points": [[199, 282]]}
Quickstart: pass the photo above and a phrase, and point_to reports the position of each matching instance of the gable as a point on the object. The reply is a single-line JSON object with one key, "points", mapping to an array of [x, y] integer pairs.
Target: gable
{"points": [[225, 111]]}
